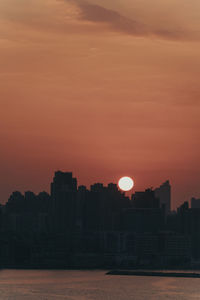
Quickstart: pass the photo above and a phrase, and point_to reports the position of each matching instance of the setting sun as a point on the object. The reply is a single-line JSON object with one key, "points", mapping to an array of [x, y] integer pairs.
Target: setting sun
{"points": [[125, 183]]}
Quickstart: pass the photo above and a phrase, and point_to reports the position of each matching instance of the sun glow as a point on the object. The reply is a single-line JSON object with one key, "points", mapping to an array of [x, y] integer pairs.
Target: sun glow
{"points": [[126, 183]]}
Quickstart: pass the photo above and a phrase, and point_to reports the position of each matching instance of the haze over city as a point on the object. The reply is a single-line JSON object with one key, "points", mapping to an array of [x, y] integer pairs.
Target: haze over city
{"points": [[103, 88]]}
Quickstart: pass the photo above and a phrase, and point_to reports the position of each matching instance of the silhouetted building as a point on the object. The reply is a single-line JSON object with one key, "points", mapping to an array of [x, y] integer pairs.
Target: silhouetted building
{"points": [[189, 225], [143, 219], [103, 207], [27, 213], [63, 194], [16, 203], [145, 199], [81, 203], [172, 222], [195, 203], [163, 192]]}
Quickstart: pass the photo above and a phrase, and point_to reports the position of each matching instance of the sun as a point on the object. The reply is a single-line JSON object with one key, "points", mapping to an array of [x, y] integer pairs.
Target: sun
{"points": [[126, 183]]}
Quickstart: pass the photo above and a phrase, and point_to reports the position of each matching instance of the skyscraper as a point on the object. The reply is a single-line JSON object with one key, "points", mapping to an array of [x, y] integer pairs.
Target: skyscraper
{"points": [[63, 194], [163, 192]]}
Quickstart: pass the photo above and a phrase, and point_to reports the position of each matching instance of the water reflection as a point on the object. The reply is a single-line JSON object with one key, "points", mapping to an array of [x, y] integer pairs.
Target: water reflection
{"points": [[92, 285]]}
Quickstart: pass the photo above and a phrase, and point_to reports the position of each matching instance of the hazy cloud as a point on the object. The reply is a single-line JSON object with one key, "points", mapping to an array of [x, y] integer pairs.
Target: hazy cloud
{"points": [[118, 22], [99, 14]]}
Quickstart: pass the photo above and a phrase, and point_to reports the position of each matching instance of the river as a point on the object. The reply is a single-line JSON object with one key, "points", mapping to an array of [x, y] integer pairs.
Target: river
{"points": [[92, 285]]}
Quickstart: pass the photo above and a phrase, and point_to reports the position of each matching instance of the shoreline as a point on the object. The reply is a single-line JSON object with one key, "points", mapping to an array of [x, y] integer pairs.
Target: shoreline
{"points": [[183, 273], [154, 273]]}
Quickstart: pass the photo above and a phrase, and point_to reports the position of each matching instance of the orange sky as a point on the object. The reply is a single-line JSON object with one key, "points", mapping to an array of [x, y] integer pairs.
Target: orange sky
{"points": [[103, 89]]}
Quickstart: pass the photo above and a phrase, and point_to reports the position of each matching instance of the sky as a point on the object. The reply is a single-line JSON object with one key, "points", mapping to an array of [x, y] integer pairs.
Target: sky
{"points": [[102, 89]]}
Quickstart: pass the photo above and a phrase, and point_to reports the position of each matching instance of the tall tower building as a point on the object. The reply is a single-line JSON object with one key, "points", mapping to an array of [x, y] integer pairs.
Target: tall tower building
{"points": [[195, 203], [164, 194], [63, 194]]}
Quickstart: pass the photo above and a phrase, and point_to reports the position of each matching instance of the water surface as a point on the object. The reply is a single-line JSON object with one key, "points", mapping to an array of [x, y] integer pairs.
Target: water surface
{"points": [[92, 285]]}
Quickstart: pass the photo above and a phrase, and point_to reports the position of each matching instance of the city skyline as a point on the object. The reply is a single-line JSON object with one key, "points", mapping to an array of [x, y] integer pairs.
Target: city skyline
{"points": [[98, 227], [128, 193], [162, 192]]}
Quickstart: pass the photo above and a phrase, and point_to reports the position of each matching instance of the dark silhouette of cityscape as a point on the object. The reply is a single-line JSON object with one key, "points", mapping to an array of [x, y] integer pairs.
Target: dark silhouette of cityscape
{"points": [[74, 227]]}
